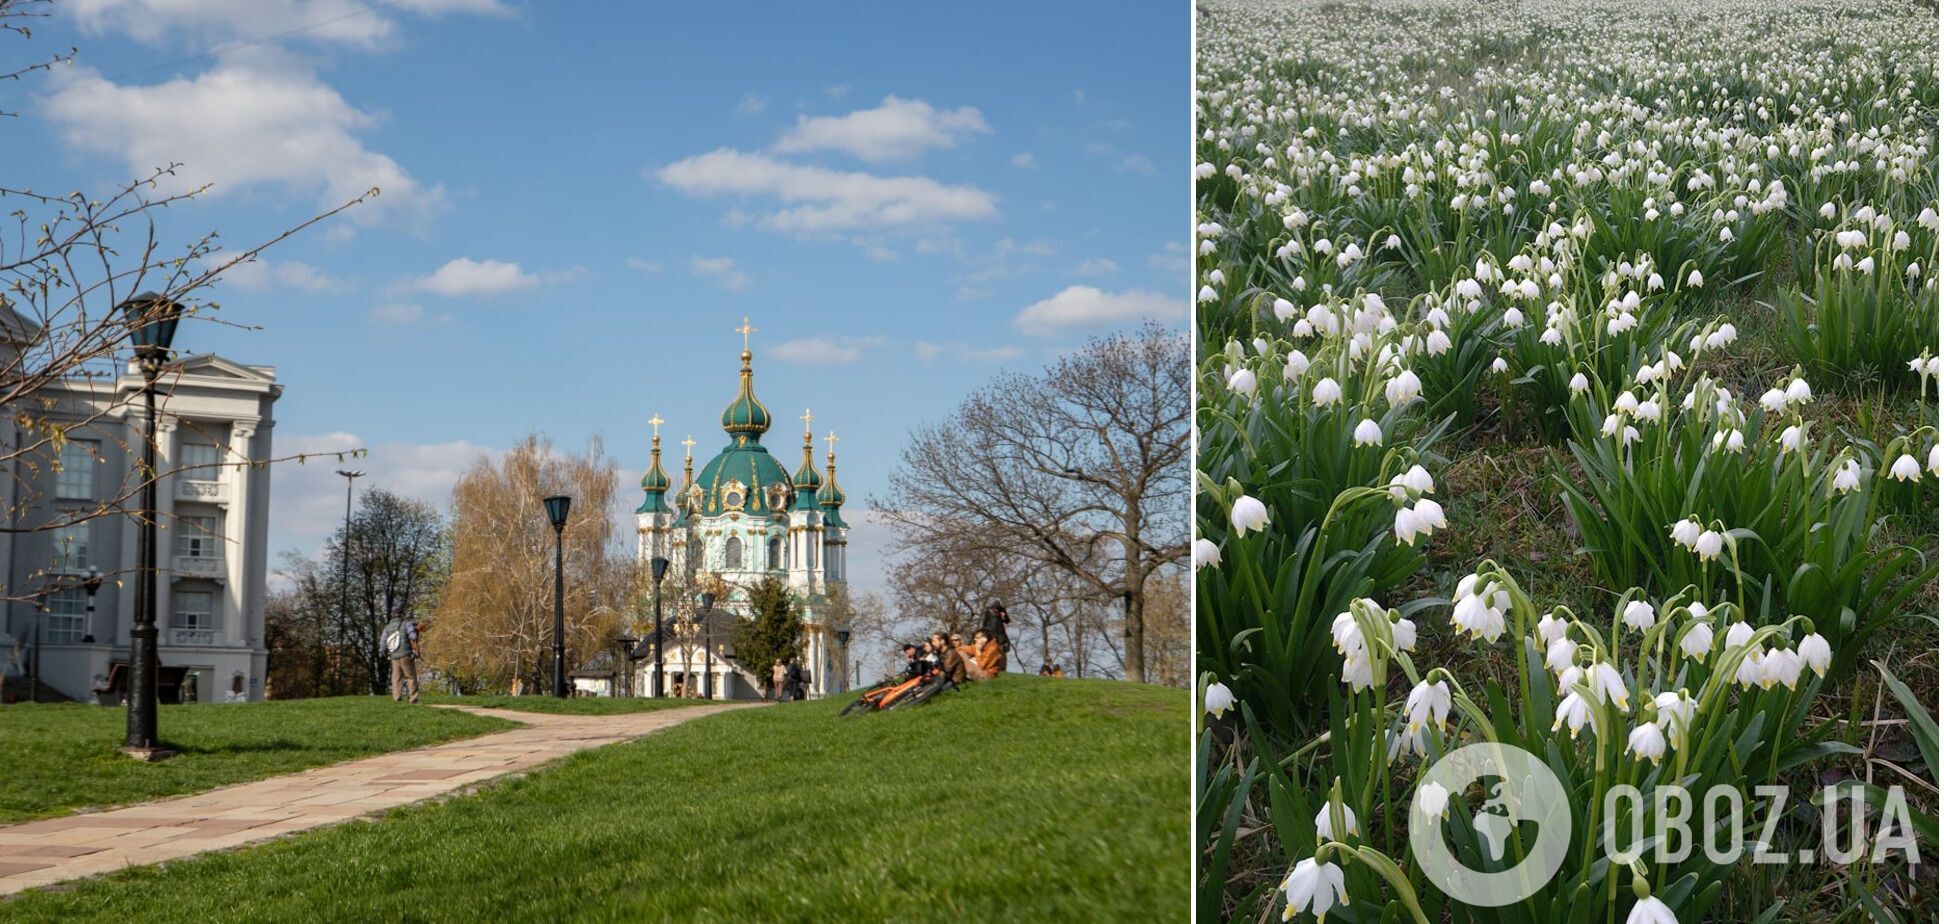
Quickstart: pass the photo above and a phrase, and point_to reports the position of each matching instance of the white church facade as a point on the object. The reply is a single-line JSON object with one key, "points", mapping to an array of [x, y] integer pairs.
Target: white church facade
{"points": [[743, 518]]}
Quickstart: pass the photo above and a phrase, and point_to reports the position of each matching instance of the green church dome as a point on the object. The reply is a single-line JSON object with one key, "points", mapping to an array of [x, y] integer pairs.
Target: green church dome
{"points": [[654, 484], [743, 477], [831, 497], [746, 416]]}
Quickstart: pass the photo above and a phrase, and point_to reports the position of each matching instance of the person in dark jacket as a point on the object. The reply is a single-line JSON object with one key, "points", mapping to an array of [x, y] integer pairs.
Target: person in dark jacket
{"points": [[950, 663], [793, 680], [915, 665], [994, 627]]}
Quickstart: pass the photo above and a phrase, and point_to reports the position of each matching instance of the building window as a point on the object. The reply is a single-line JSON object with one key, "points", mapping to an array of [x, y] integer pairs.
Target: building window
{"points": [[67, 611], [775, 552], [193, 621], [197, 537], [732, 554], [71, 547], [199, 461], [76, 479]]}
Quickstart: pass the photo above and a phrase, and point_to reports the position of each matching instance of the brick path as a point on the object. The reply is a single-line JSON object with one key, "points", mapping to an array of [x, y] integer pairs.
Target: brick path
{"points": [[38, 853]]}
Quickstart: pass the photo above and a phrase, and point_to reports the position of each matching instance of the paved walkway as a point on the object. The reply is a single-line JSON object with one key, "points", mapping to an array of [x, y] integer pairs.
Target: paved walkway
{"points": [[38, 853]]}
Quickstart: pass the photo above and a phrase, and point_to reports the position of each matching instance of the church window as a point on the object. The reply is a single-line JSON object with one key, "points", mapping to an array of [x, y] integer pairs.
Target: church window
{"points": [[694, 553], [732, 553], [775, 552]]}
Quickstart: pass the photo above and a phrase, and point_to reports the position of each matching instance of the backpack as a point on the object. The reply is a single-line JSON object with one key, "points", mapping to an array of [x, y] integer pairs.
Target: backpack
{"points": [[398, 644]]}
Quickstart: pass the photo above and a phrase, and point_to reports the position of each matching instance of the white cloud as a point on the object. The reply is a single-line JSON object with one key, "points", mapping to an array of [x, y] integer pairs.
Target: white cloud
{"points": [[1097, 267], [880, 253], [1171, 258], [334, 21], [1025, 160], [927, 351], [823, 200], [751, 104], [465, 276], [837, 90], [251, 121], [646, 266], [825, 351], [721, 269], [898, 129], [1136, 163], [308, 503], [262, 275], [1086, 306]]}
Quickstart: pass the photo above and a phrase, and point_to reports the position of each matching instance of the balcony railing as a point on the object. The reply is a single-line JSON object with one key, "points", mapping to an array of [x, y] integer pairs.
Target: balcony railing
{"points": [[191, 489], [192, 636], [199, 566]]}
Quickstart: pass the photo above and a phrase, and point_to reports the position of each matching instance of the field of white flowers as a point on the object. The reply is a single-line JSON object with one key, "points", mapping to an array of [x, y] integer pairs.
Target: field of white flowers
{"points": [[1567, 379]]}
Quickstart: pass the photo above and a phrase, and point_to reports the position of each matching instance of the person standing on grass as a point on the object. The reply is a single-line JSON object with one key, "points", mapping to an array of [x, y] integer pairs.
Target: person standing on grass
{"points": [[401, 640], [994, 627], [778, 675], [793, 680]]}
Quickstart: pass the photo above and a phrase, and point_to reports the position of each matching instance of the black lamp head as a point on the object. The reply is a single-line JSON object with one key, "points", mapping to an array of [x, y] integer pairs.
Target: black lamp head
{"points": [[659, 566], [557, 509], [843, 636], [708, 601], [92, 582], [152, 322]]}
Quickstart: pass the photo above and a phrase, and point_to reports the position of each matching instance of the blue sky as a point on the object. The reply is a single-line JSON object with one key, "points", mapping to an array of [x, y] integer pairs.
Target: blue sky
{"points": [[581, 201]]}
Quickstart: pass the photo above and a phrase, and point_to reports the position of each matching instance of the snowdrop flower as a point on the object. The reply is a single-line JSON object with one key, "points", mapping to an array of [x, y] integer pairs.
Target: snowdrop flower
{"points": [[1573, 712], [1774, 400], [1866, 265], [1499, 365], [1404, 634], [1611, 425], [1651, 910], [1675, 709], [1569, 677], [1296, 365], [1828, 211], [1427, 701], [1551, 629], [1358, 672], [1514, 318], [1814, 653], [1437, 343], [1417, 480], [1243, 382], [1638, 615], [1284, 310], [1730, 440], [1708, 545], [1694, 278], [1686, 533], [1647, 743], [1473, 614], [1697, 641], [1937, 460], [1326, 392], [1316, 888], [1791, 438], [1649, 410], [1847, 478], [1780, 666], [1207, 553], [1751, 670], [1607, 685], [1626, 403], [1403, 387], [1560, 654], [1579, 384], [1218, 700], [1906, 468], [1367, 434], [1552, 337], [1433, 800], [1248, 514], [1325, 827], [1206, 295], [1738, 635], [1798, 392], [1345, 635]]}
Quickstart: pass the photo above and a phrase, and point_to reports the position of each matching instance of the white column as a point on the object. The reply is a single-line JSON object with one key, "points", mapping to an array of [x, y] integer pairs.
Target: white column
{"points": [[236, 534], [165, 525]]}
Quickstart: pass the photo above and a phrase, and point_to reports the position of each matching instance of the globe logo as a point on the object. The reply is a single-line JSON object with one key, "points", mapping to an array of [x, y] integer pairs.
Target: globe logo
{"points": [[1524, 815]]}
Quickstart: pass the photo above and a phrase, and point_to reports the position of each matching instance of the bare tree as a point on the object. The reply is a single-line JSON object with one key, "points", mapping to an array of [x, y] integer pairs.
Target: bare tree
{"points": [[1084, 468]]}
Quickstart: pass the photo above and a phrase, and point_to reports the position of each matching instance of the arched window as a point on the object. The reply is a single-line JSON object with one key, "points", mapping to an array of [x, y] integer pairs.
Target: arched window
{"points": [[694, 554], [775, 552], [732, 553]]}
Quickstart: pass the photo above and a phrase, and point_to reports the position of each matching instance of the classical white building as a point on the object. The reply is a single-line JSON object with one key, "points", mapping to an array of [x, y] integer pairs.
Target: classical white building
{"points": [[743, 518], [214, 416]]}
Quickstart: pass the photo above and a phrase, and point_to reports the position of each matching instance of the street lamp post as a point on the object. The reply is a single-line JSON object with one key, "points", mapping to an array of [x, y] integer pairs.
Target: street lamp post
{"points": [[557, 515], [659, 566], [90, 583], [708, 645], [344, 569], [843, 651], [625, 686], [152, 322]]}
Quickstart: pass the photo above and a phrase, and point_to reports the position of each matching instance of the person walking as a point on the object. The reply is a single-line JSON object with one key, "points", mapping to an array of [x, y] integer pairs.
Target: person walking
{"points": [[401, 643], [994, 626], [793, 680], [778, 674]]}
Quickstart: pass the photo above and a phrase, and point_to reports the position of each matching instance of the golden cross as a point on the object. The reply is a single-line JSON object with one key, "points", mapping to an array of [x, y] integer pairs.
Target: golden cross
{"points": [[806, 421], [656, 422], [745, 330], [688, 446], [832, 441]]}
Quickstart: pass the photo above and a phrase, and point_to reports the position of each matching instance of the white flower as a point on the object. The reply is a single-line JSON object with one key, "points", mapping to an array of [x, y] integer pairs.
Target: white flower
{"points": [[1626, 403], [1404, 634], [1773, 399], [1207, 553], [1403, 387], [1430, 701], [1780, 666], [1751, 671], [1694, 278], [1674, 708], [1737, 635], [1284, 310], [1499, 365], [1429, 515], [1325, 828], [1551, 629], [1697, 641], [1404, 525], [1248, 514], [1513, 318], [1345, 634], [1798, 391], [1474, 614], [1686, 533], [1708, 545], [1906, 468], [1206, 295], [1358, 671], [1437, 342], [1607, 685], [1792, 438], [1316, 888], [1297, 364], [1651, 910], [1638, 615], [1367, 434], [1326, 392], [1560, 653], [1848, 477], [1937, 460], [1243, 382], [1814, 653], [1218, 700], [1418, 480], [1433, 800], [1647, 742], [1574, 712], [1578, 384]]}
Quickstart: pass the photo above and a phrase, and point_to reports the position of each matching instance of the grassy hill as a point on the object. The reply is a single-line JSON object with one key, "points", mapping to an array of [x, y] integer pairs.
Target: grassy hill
{"points": [[1019, 799]]}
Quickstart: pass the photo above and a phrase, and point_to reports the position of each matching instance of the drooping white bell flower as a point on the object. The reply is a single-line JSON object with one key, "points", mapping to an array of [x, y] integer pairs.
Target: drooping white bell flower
{"points": [[1358, 671], [1937, 460], [1433, 800], [1708, 545], [1295, 366], [1316, 888], [1798, 392], [1906, 468], [1651, 910], [1427, 702], [1284, 310], [1560, 654], [1791, 438], [1574, 712], [1248, 514], [1207, 553], [1403, 387], [1368, 433], [1243, 382], [1780, 666], [1325, 823], [1499, 365], [1345, 635], [1578, 384], [1326, 392], [1638, 615], [1404, 634], [1608, 686], [1814, 652], [1551, 629], [1418, 480], [1696, 642], [1218, 700], [1674, 709], [1686, 532], [1848, 477], [1773, 400], [1738, 634], [1206, 295], [1647, 743]]}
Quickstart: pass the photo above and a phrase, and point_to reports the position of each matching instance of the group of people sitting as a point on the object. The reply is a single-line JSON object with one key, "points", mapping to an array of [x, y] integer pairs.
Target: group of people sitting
{"points": [[960, 661]]}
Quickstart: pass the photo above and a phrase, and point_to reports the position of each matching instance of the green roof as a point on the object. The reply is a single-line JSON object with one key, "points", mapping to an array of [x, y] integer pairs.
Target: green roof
{"points": [[654, 484], [745, 415]]}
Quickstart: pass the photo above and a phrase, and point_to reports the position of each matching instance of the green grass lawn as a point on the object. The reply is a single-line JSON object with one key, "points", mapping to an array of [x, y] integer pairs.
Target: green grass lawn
{"points": [[55, 759], [583, 705], [1022, 799]]}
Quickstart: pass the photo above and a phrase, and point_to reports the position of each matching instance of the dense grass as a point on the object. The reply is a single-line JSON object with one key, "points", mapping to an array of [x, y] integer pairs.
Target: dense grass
{"points": [[1021, 799], [582, 705], [55, 759]]}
